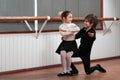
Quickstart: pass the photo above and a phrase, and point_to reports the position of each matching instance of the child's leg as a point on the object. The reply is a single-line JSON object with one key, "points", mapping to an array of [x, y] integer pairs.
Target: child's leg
{"points": [[69, 60], [63, 61], [74, 69]]}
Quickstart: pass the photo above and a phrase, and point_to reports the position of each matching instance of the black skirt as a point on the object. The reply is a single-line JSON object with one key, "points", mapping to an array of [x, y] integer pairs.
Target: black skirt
{"points": [[68, 46]]}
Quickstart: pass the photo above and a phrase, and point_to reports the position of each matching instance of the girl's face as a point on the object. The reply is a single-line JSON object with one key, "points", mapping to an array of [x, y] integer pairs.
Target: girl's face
{"points": [[68, 19], [87, 24]]}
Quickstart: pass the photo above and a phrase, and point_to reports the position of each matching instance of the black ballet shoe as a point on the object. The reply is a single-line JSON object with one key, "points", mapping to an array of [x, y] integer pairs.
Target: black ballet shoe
{"points": [[100, 68], [62, 74], [69, 74]]}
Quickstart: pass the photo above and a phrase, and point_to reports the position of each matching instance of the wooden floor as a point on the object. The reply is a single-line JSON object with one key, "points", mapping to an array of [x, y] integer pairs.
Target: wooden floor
{"points": [[112, 67]]}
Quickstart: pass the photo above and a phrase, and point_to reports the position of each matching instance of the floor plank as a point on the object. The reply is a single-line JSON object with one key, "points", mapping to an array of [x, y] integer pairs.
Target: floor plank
{"points": [[112, 66]]}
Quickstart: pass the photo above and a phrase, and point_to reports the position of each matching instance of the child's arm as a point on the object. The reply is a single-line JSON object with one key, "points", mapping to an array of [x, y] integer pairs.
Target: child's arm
{"points": [[64, 32], [92, 35], [74, 28]]}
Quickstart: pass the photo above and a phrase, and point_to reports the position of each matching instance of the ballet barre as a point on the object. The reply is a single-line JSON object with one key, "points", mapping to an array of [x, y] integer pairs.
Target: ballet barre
{"points": [[46, 19], [20, 18]]}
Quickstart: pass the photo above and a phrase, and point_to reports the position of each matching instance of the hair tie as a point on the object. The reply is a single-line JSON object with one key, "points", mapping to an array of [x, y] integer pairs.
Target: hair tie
{"points": [[60, 13]]}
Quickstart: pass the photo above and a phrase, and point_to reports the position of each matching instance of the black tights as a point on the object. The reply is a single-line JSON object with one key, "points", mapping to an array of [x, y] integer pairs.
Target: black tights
{"points": [[86, 64]]}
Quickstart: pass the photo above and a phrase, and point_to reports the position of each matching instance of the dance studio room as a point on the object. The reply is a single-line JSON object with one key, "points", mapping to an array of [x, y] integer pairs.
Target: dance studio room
{"points": [[59, 39]]}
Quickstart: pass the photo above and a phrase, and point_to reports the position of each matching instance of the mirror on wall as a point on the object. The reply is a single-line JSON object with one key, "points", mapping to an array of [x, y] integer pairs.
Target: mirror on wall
{"points": [[79, 8]]}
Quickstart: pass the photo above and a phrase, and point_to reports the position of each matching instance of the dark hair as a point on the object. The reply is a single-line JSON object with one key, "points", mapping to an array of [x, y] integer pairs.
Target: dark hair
{"points": [[92, 19], [65, 14]]}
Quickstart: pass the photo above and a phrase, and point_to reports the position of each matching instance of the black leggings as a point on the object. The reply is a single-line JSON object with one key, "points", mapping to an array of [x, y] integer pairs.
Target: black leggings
{"points": [[86, 64]]}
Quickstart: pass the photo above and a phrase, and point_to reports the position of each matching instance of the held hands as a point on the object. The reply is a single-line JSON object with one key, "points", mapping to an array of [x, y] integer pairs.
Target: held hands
{"points": [[91, 34]]}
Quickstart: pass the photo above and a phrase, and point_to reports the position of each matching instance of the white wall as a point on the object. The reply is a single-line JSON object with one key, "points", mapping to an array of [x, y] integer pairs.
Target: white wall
{"points": [[108, 45], [20, 51]]}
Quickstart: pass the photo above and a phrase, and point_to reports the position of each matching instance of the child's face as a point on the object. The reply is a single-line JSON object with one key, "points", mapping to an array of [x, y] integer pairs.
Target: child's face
{"points": [[87, 24], [68, 19]]}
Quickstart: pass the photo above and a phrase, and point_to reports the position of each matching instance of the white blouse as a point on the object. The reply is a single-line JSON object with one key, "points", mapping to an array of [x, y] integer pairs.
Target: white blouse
{"points": [[68, 31]]}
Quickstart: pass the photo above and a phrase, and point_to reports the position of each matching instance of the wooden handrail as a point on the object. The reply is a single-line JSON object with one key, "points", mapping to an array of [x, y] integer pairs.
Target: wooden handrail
{"points": [[32, 18], [23, 18], [20, 18]]}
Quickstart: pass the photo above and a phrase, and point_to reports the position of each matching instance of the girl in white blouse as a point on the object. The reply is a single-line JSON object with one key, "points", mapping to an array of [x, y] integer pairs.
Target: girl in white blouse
{"points": [[68, 46]]}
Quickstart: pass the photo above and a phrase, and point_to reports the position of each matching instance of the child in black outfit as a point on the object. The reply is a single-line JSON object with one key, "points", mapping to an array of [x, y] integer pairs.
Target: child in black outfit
{"points": [[88, 36]]}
